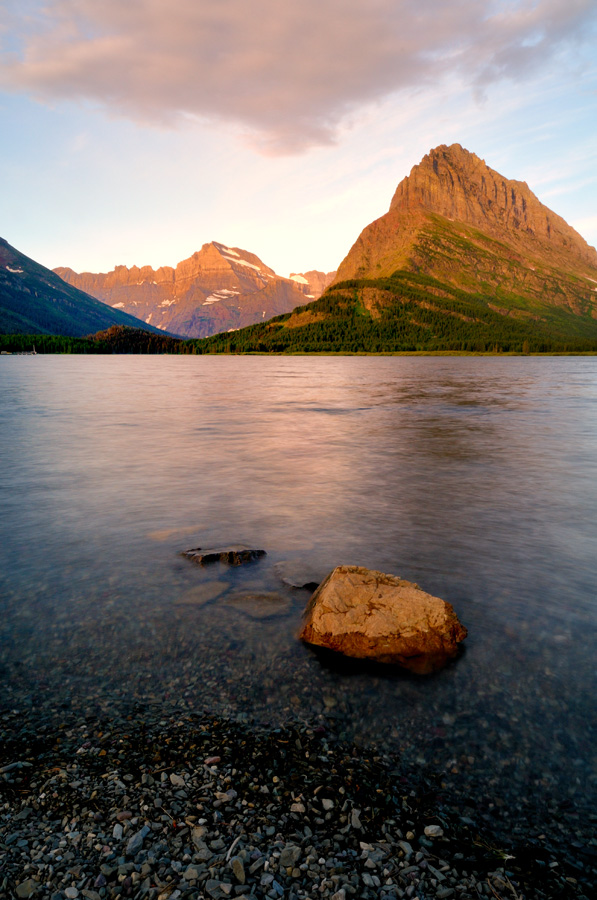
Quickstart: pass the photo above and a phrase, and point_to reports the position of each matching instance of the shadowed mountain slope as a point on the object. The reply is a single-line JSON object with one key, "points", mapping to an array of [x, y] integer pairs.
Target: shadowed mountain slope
{"points": [[34, 300]]}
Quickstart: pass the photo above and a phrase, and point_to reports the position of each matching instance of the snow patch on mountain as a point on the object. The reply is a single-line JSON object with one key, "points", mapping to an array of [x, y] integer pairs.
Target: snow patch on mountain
{"points": [[223, 294]]}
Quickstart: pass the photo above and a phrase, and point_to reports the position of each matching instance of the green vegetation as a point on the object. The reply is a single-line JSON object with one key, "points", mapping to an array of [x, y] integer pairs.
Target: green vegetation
{"points": [[404, 313], [407, 312], [117, 339]]}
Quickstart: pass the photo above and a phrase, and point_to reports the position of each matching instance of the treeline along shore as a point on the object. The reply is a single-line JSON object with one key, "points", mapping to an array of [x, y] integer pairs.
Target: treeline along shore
{"points": [[279, 340]]}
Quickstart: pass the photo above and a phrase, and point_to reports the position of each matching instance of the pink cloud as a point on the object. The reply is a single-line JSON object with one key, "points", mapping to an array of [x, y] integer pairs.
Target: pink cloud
{"points": [[287, 72]]}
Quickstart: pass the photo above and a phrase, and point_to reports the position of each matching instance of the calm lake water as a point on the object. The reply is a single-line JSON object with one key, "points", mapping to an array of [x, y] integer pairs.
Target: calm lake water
{"points": [[474, 477]]}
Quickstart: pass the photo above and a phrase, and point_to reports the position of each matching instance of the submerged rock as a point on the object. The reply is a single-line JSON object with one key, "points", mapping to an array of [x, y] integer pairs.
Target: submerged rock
{"points": [[369, 615], [202, 593], [297, 574], [234, 554], [259, 604]]}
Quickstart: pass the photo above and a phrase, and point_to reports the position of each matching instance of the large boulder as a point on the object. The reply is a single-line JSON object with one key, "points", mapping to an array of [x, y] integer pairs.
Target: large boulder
{"points": [[368, 615]]}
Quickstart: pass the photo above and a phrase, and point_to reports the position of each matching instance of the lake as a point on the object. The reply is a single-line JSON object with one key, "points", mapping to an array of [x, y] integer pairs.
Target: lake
{"points": [[474, 477]]}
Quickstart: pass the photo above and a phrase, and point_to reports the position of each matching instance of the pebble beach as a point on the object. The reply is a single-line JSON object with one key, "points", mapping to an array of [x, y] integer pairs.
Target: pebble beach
{"points": [[202, 806]]}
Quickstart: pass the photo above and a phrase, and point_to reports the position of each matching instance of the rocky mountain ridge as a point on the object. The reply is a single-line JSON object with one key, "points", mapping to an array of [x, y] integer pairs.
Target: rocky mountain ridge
{"points": [[458, 186], [218, 288], [464, 259]]}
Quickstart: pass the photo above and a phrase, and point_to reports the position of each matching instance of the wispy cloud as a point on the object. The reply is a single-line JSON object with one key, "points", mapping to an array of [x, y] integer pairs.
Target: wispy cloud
{"points": [[287, 73]]}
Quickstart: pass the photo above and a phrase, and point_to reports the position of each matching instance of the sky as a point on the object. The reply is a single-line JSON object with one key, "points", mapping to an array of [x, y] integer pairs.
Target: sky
{"points": [[131, 133]]}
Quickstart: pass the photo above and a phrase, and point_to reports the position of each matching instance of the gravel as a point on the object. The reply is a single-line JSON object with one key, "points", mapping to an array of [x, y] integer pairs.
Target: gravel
{"points": [[205, 806]]}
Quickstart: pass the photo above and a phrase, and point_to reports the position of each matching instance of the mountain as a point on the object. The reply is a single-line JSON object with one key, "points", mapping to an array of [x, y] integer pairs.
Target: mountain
{"points": [[316, 282], [455, 185], [34, 300], [217, 289], [463, 260]]}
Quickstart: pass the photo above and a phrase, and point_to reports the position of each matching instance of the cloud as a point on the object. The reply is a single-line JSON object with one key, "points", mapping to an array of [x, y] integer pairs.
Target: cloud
{"points": [[286, 73]]}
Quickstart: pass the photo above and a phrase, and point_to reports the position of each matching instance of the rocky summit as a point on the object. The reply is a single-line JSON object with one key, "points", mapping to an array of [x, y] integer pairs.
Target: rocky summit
{"points": [[464, 259], [448, 195], [218, 289]]}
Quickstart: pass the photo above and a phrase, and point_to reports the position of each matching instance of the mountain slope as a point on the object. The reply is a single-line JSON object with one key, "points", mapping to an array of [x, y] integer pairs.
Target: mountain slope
{"points": [[34, 300], [462, 223], [219, 288], [463, 260]]}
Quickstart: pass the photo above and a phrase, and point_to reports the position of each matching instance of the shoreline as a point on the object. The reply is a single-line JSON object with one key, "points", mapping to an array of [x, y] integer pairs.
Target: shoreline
{"points": [[194, 806]]}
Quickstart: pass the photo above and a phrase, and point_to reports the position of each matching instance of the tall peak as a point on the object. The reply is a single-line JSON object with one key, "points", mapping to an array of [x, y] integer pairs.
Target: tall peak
{"points": [[455, 183]]}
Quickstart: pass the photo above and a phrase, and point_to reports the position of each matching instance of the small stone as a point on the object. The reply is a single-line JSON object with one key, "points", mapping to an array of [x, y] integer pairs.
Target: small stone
{"points": [[169, 894], [298, 574], [117, 831], [123, 815], [26, 888], [406, 848], [327, 804], [290, 855], [71, 893], [191, 874], [433, 831], [198, 832], [355, 820], [177, 780], [297, 807], [237, 866], [136, 841], [339, 895], [212, 760]]}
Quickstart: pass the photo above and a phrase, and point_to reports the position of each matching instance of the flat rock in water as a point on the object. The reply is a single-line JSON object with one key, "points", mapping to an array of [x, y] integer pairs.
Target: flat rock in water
{"points": [[369, 615], [202, 593], [234, 554], [297, 574], [259, 604]]}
